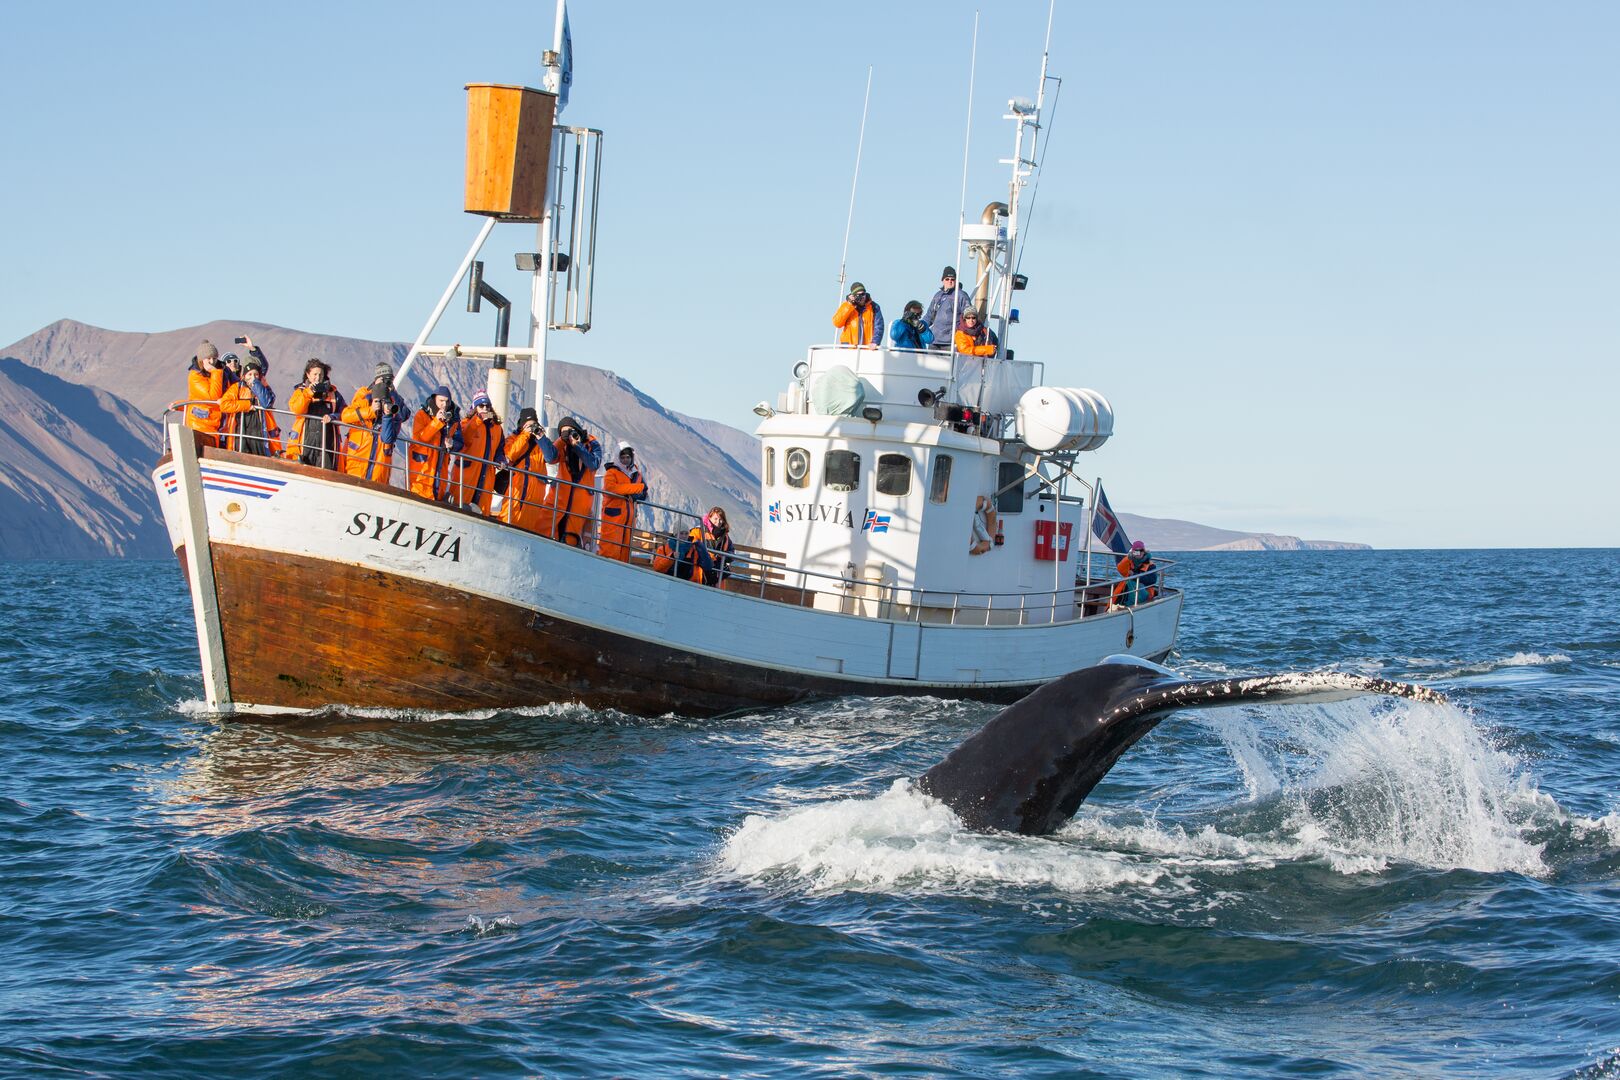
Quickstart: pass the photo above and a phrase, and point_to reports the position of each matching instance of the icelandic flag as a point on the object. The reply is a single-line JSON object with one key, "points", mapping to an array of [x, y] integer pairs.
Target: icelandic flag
{"points": [[1107, 526], [567, 64], [776, 513], [875, 522]]}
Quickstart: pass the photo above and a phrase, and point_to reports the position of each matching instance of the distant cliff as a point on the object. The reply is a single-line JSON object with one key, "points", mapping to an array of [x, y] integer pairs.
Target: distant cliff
{"points": [[76, 449]]}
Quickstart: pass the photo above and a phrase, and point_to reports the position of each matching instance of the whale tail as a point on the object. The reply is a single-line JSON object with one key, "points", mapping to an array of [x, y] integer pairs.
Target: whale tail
{"points": [[1029, 769]]}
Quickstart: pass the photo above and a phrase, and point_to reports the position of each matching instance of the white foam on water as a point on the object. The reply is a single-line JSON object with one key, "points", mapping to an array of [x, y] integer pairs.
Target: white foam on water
{"points": [[903, 839], [1374, 781]]}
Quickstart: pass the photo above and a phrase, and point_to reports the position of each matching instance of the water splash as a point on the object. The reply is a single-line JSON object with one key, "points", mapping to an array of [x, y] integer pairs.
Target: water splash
{"points": [[903, 839]]}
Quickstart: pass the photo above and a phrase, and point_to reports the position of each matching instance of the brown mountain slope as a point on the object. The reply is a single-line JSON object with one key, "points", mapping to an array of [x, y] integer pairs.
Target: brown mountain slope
{"points": [[73, 471]]}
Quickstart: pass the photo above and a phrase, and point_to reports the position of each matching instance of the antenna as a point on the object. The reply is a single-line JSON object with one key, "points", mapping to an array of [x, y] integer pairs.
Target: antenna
{"points": [[967, 145], [849, 222]]}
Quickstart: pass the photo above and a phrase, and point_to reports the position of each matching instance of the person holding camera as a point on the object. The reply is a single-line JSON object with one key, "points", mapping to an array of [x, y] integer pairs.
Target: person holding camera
{"points": [[435, 438], [373, 420], [249, 426], [859, 319], [909, 331], [482, 442], [316, 405], [579, 455], [205, 385], [527, 501], [624, 486]]}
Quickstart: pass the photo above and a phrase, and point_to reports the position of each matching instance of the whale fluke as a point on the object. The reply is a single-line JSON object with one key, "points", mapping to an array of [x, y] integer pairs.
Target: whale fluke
{"points": [[1028, 770]]}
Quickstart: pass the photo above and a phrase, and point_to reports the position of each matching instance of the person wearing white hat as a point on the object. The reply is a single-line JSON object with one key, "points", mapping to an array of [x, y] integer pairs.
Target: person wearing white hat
{"points": [[624, 487]]}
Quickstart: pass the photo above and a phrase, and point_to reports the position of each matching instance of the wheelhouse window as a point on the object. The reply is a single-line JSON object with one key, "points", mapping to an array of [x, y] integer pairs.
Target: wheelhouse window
{"points": [[1010, 501], [894, 474], [796, 467], [843, 472], [770, 466], [940, 489]]}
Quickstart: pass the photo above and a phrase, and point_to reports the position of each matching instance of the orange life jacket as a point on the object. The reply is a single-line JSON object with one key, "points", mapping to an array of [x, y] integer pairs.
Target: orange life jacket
{"points": [[527, 500], [428, 461], [364, 455], [619, 511], [203, 390], [571, 505], [855, 325], [236, 402], [481, 446]]}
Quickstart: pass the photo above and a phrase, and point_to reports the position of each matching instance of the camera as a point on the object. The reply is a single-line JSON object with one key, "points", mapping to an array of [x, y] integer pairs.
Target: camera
{"points": [[321, 389]]}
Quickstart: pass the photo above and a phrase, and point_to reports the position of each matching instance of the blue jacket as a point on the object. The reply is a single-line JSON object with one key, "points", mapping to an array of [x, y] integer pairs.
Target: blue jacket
{"points": [[904, 337], [942, 311]]}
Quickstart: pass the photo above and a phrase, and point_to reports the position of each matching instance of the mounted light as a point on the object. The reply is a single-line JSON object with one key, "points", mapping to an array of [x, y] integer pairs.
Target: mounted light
{"points": [[801, 369], [764, 409], [872, 413], [1020, 281], [528, 261]]}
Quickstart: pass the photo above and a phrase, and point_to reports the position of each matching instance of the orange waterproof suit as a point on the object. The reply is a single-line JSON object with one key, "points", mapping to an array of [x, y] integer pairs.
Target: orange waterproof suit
{"points": [[978, 344], [368, 451], [481, 445], [528, 502], [857, 326], [428, 463], [571, 506], [244, 430], [1137, 589], [311, 438], [204, 386], [619, 510]]}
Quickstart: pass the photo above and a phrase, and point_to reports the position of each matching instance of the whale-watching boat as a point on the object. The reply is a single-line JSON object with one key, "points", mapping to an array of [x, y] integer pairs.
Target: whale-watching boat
{"points": [[315, 588]]}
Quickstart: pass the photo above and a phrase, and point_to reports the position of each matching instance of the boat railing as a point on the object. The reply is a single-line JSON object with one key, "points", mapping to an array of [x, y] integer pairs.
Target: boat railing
{"points": [[659, 532]]}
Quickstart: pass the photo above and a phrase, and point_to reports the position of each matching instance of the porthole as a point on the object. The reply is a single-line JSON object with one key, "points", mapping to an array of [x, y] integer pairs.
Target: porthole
{"points": [[770, 466], [894, 474], [843, 470], [940, 490], [796, 467]]}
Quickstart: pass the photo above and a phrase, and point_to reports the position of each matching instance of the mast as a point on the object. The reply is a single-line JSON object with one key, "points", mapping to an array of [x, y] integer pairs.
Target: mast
{"points": [[543, 287]]}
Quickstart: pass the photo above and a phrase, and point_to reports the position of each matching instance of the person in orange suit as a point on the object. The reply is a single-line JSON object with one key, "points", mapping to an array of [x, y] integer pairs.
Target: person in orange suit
{"points": [[972, 337], [859, 319], [316, 405], [527, 502], [625, 487], [1141, 582], [249, 427], [435, 440], [205, 385], [482, 443], [579, 455], [374, 419]]}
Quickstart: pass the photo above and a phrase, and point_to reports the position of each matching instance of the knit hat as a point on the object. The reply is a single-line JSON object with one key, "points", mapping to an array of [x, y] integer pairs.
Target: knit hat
{"points": [[623, 446], [480, 397], [443, 391], [1137, 545], [382, 370], [856, 287], [253, 361], [914, 305], [948, 272], [525, 415], [207, 351], [568, 422], [228, 357]]}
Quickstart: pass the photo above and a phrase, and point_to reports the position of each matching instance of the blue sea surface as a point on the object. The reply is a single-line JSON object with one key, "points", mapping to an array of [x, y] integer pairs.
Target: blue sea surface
{"points": [[1368, 888]]}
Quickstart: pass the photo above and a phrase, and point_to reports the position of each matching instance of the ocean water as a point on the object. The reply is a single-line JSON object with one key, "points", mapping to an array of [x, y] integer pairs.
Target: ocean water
{"points": [[1370, 888]]}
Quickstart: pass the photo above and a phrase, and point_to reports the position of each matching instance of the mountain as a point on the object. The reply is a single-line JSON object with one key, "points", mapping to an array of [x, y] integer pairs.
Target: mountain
{"points": [[73, 471], [76, 449], [1171, 534]]}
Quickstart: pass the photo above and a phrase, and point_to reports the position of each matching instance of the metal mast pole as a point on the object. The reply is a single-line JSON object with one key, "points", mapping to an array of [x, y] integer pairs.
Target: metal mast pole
{"points": [[543, 288]]}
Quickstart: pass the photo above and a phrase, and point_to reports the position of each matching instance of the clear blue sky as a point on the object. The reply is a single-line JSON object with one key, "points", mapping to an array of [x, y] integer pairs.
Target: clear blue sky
{"points": [[1348, 271]]}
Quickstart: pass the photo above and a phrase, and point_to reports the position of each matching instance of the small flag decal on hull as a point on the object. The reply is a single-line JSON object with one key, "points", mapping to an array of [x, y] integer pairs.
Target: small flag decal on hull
{"points": [[875, 522], [170, 482]]}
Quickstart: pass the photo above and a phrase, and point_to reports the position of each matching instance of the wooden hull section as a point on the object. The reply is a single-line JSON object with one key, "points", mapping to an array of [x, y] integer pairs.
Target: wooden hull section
{"points": [[303, 634]]}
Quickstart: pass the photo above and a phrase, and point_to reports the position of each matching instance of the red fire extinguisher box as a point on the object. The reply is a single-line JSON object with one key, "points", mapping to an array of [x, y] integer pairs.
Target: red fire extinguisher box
{"points": [[1043, 539]]}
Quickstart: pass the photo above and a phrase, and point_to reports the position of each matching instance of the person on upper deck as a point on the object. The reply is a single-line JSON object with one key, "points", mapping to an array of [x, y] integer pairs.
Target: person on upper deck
{"points": [[205, 385], [859, 319], [482, 442], [527, 502], [374, 419], [316, 406], [249, 426], [1141, 582], [973, 337], [435, 437], [625, 486], [909, 330], [579, 455], [946, 307]]}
